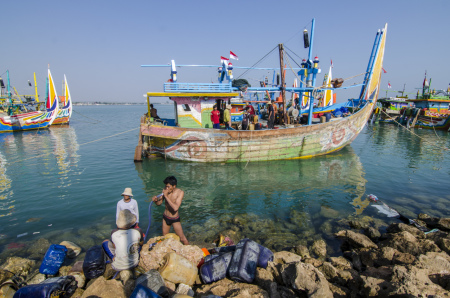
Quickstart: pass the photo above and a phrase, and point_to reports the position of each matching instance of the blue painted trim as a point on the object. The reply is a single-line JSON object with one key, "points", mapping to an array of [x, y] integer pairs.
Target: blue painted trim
{"points": [[370, 65]]}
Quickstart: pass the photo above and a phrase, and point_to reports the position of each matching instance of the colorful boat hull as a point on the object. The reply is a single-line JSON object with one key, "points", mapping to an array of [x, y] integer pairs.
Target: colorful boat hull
{"points": [[207, 145], [36, 119]]}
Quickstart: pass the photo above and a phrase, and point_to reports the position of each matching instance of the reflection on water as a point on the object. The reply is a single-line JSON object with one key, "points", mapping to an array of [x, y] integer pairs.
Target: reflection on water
{"points": [[65, 151], [35, 158], [298, 194]]}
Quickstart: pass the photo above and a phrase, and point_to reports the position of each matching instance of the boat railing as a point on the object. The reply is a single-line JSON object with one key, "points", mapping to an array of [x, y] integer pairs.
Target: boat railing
{"points": [[197, 87]]}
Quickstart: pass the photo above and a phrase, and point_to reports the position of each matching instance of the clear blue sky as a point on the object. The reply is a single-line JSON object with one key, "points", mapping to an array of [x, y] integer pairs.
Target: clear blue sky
{"points": [[100, 45]]}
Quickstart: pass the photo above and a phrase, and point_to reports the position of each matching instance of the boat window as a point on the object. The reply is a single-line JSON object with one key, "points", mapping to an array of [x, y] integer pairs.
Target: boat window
{"points": [[186, 108]]}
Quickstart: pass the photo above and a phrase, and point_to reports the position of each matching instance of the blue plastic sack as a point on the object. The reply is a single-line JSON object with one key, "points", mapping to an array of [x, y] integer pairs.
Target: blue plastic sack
{"points": [[265, 256], [53, 259], [94, 262], [242, 267], [143, 292], [216, 268], [337, 113], [63, 286]]}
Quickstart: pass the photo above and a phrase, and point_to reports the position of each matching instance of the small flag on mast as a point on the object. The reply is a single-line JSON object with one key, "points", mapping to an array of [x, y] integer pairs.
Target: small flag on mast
{"points": [[331, 63], [384, 71], [233, 56], [223, 58], [389, 85]]}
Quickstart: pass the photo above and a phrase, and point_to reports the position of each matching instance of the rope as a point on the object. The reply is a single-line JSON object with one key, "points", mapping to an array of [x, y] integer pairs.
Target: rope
{"points": [[433, 144], [45, 154], [257, 62], [97, 121]]}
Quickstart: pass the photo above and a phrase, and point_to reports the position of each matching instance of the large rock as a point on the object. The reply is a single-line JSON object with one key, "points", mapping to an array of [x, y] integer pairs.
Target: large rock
{"points": [[265, 279], [228, 288], [434, 262], [102, 288], [372, 287], [153, 259], [73, 250], [439, 223], [319, 248], [356, 240], [38, 249], [400, 227], [411, 281], [18, 266], [328, 212], [5, 275], [341, 263], [284, 257], [444, 244], [307, 279], [36, 279], [386, 255], [302, 251], [403, 242]]}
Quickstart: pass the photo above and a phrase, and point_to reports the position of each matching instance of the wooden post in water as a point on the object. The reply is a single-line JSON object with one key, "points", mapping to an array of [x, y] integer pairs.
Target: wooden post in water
{"points": [[283, 88], [138, 150]]}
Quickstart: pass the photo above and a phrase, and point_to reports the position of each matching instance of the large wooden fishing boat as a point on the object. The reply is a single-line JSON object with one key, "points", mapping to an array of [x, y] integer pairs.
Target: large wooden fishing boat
{"points": [[35, 119], [65, 110], [190, 137]]}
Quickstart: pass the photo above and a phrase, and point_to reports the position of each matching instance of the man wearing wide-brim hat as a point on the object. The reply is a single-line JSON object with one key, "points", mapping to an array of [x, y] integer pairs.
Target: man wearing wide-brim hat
{"points": [[128, 203], [125, 243]]}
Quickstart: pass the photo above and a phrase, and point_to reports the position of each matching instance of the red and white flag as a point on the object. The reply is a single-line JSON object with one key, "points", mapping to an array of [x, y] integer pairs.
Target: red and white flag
{"points": [[384, 71], [233, 56], [223, 58], [331, 63], [389, 85]]}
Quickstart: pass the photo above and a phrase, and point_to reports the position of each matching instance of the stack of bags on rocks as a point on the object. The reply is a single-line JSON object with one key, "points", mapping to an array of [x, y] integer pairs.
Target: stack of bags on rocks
{"points": [[185, 266]]}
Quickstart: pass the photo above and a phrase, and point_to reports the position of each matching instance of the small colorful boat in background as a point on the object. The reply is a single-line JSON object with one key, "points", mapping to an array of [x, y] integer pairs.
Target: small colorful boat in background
{"points": [[30, 120], [431, 109], [390, 108], [65, 109]]}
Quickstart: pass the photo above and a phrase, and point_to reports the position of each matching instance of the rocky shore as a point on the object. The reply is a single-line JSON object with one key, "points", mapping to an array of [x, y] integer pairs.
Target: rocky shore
{"points": [[372, 259]]}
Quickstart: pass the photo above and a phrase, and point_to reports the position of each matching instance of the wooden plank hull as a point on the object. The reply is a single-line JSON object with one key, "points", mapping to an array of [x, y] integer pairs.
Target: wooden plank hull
{"points": [[210, 145]]}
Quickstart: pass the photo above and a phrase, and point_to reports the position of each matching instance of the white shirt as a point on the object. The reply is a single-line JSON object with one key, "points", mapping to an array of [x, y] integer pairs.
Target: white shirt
{"points": [[126, 254], [131, 205]]}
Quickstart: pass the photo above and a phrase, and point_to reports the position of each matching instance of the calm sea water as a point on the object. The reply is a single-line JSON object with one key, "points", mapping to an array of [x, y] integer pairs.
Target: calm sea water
{"points": [[64, 183]]}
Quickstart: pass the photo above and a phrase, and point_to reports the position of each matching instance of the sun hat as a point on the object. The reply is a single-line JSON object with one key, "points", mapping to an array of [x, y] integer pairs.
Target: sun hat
{"points": [[126, 219], [127, 192], [229, 107]]}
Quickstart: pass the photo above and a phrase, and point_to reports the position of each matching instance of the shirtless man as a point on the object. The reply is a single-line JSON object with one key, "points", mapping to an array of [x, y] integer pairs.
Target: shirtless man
{"points": [[173, 197]]}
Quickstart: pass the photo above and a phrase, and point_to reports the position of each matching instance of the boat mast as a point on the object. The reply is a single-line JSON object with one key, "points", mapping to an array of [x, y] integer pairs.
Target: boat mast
{"points": [[35, 87], [310, 81], [282, 87], [8, 87]]}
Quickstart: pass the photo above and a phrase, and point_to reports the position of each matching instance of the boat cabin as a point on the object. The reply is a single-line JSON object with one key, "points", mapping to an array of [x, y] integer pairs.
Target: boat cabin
{"points": [[435, 105]]}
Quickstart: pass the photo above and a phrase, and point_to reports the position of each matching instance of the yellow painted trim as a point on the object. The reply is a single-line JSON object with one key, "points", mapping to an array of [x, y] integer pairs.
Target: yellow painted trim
{"points": [[190, 94], [311, 156], [193, 118]]}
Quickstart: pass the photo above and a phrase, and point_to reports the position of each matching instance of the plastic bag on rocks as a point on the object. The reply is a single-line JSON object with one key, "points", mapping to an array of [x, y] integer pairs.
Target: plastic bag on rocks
{"points": [[57, 287], [94, 262], [143, 292]]}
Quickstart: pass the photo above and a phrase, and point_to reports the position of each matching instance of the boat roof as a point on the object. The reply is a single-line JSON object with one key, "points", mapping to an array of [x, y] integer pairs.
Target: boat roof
{"points": [[442, 99], [192, 94]]}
